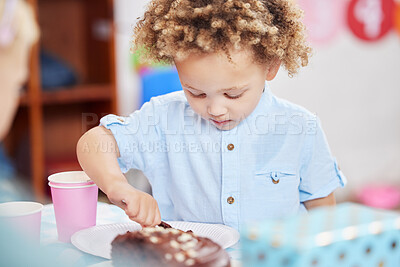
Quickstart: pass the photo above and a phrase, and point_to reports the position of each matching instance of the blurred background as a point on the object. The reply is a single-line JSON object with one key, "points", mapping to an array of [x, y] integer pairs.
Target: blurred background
{"points": [[82, 69]]}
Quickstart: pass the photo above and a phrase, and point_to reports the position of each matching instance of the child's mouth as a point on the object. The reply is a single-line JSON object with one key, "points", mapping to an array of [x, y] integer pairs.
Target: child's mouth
{"points": [[220, 123]]}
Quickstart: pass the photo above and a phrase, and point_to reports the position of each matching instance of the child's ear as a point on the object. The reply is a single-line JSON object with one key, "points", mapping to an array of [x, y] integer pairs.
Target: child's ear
{"points": [[273, 69]]}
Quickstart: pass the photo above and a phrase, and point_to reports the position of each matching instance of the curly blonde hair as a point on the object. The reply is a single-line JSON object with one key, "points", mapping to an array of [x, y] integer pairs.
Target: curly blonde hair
{"points": [[173, 29]]}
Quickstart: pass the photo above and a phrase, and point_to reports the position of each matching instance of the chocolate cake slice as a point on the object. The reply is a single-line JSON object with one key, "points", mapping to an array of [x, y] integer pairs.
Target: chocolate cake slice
{"points": [[166, 246]]}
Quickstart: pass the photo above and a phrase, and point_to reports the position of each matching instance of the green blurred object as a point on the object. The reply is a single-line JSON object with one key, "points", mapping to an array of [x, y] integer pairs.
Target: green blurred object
{"points": [[140, 66]]}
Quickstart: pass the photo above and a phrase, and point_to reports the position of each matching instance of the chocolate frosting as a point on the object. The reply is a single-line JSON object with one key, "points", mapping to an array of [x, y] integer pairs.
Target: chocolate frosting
{"points": [[159, 246]]}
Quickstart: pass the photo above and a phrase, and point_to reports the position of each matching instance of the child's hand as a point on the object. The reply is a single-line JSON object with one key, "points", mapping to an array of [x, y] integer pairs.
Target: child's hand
{"points": [[139, 206]]}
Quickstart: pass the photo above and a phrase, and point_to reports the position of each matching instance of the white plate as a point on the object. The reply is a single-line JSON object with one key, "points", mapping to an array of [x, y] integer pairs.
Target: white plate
{"points": [[97, 240], [103, 264]]}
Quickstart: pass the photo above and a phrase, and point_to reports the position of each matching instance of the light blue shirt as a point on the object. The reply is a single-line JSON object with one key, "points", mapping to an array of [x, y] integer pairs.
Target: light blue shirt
{"points": [[274, 160]]}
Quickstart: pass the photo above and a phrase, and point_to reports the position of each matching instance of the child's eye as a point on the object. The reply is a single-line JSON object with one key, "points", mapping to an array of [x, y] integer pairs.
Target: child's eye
{"points": [[233, 96], [203, 95]]}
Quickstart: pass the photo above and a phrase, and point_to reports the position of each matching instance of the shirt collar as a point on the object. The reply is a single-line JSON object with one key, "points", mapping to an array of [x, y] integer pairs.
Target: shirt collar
{"points": [[263, 105]]}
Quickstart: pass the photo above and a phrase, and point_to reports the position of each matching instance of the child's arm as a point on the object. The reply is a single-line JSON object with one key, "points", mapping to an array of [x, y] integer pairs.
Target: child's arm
{"points": [[97, 153], [325, 201]]}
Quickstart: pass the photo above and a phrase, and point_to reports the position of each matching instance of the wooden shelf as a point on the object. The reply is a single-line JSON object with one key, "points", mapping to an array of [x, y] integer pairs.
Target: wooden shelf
{"points": [[70, 95], [54, 166]]}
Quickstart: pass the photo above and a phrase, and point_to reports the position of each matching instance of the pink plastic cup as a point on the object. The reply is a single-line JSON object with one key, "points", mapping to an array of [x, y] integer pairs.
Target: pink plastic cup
{"points": [[71, 178], [24, 217], [75, 203]]}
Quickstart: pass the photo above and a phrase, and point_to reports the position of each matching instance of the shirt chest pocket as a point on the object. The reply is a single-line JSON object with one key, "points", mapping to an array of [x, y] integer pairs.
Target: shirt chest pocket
{"points": [[278, 183]]}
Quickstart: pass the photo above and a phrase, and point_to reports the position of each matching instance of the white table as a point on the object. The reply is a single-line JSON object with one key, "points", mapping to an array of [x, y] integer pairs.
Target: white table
{"points": [[66, 252]]}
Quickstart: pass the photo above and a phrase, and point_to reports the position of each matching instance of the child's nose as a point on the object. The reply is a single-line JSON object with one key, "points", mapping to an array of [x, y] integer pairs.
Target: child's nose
{"points": [[217, 110]]}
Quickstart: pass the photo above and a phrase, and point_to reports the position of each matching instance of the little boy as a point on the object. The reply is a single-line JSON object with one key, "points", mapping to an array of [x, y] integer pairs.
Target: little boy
{"points": [[225, 150]]}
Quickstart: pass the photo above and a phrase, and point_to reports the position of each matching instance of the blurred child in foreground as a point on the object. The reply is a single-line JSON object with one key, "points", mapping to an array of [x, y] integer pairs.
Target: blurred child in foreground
{"points": [[18, 32]]}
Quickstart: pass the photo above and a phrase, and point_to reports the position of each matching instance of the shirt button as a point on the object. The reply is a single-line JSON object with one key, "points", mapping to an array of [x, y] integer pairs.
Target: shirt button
{"points": [[230, 200], [275, 182], [230, 147]]}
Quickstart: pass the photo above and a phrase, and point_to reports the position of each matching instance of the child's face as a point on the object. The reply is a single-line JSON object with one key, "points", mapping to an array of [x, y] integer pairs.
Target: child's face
{"points": [[223, 92]]}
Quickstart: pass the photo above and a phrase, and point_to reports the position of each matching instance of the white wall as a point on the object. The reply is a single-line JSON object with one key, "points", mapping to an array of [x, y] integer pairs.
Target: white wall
{"points": [[128, 83], [354, 87]]}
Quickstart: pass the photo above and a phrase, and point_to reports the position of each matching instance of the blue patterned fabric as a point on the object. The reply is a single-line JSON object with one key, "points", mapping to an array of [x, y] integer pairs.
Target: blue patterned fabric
{"points": [[347, 235]]}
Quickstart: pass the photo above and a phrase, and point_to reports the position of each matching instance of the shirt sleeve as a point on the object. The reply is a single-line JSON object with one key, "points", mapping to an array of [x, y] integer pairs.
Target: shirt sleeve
{"points": [[319, 172], [138, 137]]}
